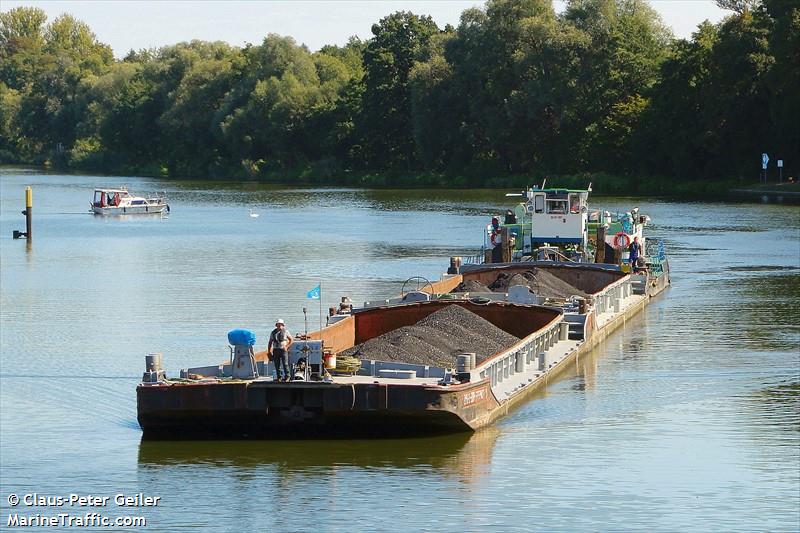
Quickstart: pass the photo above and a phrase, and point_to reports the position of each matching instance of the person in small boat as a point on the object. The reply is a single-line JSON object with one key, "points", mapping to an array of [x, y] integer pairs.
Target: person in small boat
{"points": [[635, 250], [496, 239], [278, 349]]}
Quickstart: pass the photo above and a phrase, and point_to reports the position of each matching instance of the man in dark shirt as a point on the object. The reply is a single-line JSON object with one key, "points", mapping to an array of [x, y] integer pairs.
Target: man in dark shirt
{"points": [[635, 251], [278, 349], [496, 240]]}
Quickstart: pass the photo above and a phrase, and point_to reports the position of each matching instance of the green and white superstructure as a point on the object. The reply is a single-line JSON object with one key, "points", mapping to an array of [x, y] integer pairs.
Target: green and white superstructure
{"points": [[558, 224]]}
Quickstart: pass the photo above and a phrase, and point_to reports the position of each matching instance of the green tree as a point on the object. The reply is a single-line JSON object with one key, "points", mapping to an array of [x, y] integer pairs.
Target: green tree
{"points": [[10, 149], [21, 42], [192, 120], [331, 124], [782, 17], [675, 134], [628, 43], [399, 40], [122, 120], [709, 116], [265, 117], [437, 110], [544, 106], [52, 105], [491, 50]]}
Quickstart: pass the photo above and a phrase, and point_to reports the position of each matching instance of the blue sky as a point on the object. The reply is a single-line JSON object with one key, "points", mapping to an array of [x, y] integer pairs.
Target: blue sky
{"points": [[126, 24]]}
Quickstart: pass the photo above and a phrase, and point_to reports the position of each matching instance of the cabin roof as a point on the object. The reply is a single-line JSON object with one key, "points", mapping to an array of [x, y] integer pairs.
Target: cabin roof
{"points": [[559, 191]]}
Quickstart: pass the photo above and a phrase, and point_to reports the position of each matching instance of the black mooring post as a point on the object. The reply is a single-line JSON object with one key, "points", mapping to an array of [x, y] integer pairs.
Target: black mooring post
{"points": [[28, 212]]}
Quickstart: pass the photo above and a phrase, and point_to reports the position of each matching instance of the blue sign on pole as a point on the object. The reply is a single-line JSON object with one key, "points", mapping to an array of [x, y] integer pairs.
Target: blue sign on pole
{"points": [[764, 161]]}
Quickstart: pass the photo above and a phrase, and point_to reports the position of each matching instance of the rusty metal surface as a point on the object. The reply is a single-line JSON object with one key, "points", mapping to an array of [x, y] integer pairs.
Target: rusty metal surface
{"points": [[280, 410], [584, 277], [518, 320], [338, 336], [444, 285]]}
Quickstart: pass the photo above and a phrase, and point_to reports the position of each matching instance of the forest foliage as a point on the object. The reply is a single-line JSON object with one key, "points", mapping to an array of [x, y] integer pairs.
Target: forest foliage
{"points": [[515, 89]]}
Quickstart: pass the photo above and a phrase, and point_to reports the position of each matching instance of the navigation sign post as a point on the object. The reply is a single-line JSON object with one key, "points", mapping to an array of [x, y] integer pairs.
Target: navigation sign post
{"points": [[764, 161], [780, 170]]}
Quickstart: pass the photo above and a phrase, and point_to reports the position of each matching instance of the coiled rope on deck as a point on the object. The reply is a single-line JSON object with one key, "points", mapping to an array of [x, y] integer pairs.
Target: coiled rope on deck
{"points": [[347, 364]]}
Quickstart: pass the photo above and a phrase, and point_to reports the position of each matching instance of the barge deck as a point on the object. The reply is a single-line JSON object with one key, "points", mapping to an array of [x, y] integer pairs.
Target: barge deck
{"points": [[434, 400]]}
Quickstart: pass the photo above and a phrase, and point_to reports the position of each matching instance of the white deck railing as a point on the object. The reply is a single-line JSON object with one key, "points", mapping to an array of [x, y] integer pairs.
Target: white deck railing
{"points": [[519, 358]]}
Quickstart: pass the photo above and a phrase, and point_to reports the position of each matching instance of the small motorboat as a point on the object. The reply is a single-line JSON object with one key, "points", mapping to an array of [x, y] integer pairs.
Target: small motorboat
{"points": [[122, 202], [253, 214]]}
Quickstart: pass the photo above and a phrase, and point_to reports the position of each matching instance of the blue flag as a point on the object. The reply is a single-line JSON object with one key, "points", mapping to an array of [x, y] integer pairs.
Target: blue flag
{"points": [[314, 293]]}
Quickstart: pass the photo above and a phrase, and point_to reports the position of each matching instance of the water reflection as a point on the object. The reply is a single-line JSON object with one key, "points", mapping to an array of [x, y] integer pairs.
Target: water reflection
{"points": [[761, 268], [766, 309], [261, 195], [463, 455], [777, 408], [433, 251]]}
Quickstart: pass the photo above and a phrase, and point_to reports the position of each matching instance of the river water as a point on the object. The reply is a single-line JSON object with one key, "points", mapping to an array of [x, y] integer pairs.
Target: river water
{"points": [[686, 419]]}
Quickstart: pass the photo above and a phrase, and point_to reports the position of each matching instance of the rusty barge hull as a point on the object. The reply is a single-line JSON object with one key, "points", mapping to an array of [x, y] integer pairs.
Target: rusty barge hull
{"points": [[303, 410], [371, 406]]}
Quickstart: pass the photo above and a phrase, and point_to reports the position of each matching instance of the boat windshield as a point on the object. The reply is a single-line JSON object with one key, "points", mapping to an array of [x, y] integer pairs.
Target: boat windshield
{"points": [[557, 205], [106, 198]]}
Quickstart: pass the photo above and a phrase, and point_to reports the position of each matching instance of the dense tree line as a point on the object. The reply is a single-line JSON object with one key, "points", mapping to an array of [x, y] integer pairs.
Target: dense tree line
{"points": [[515, 89]]}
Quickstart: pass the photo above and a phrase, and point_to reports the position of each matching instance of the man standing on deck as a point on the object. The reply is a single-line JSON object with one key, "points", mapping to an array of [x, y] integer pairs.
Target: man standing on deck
{"points": [[496, 239], [635, 250], [278, 349]]}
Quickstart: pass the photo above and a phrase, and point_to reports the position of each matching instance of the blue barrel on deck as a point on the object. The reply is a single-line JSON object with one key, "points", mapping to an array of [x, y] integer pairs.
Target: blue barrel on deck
{"points": [[241, 337]]}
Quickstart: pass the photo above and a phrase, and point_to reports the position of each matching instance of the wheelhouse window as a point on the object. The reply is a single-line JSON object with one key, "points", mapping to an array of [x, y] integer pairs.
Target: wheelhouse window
{"points": [[538, 203], [557, 206], [574, 203]]}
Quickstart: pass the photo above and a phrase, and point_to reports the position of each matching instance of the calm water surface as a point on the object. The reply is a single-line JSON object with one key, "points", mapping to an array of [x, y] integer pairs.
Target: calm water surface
{"points": [[687, 419]]}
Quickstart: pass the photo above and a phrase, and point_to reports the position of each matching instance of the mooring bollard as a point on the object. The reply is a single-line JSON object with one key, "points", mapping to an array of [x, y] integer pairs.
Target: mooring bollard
{"points": [[563, 331], [28, 212], [153, 368], [465, 363]]}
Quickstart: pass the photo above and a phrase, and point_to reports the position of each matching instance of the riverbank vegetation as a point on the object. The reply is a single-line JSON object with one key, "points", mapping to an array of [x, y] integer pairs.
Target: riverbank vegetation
{"points": [[600, 92]]}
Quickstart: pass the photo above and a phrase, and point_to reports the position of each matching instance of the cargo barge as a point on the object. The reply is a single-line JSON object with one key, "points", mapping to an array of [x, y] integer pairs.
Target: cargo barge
{"points": [[379, 397]]}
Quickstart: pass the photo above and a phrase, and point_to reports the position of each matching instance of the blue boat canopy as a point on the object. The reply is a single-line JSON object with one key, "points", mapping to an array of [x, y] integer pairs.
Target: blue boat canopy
{"points": [[241, 337]]}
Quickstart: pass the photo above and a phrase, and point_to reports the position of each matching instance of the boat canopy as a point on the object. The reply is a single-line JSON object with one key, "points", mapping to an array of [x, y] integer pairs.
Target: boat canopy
{"points": [[121, 191], [559, 191]]}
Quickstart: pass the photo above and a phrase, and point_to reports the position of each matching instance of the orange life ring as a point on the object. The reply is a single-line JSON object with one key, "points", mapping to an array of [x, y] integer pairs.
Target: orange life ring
{"points": [[625, 236]]}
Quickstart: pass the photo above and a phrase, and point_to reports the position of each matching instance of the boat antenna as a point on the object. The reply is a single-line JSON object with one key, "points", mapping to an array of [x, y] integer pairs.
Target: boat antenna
{"points": [[543, 183], [304, 349]]}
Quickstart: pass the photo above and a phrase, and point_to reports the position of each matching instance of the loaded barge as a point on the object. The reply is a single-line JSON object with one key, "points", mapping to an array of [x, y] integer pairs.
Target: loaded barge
{"points": [[526, 295]]}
